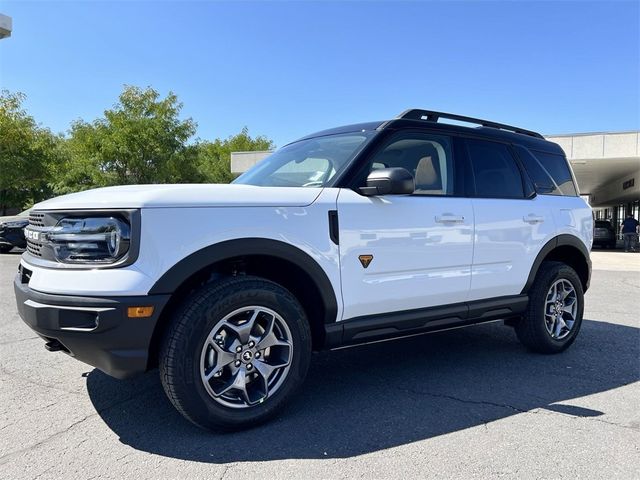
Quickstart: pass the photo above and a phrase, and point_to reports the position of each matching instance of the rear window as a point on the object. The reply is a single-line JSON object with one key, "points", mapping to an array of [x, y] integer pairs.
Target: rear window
{"points": [[549, 172], [603, 224]]}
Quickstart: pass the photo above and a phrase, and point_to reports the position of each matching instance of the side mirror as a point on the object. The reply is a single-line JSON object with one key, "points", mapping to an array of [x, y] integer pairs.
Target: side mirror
{"points": [[389, 181]]}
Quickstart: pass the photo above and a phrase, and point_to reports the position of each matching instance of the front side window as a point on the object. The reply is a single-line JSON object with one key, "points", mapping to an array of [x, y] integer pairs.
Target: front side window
{"points": [[495, 171], [427, 157], [313, 162]]}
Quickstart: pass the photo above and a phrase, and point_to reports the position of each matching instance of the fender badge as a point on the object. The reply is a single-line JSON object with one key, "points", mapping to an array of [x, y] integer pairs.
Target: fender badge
{"points": [[365, 260]]}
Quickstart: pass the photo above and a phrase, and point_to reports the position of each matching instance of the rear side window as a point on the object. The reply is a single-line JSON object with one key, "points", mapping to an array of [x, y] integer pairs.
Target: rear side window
{"points": [[549, 172], [558, 168], [495, 171]]}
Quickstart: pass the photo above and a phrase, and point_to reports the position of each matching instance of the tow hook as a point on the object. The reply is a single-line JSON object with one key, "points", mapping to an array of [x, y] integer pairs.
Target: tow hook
{"points": [[54, 346]]}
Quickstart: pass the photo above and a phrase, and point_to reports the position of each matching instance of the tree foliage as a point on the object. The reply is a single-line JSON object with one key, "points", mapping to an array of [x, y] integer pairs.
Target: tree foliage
{"points": [[27, 154], [140, 139], [215, 156]]}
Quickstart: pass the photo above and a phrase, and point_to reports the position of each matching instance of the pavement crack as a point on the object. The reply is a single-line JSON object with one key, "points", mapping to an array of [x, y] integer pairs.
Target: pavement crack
{"points": [[7, 457], [7, 426], [6, 372], [43, 472], [10, 342], [467, 401], [541, 410], [224, 472], [614, 424]]}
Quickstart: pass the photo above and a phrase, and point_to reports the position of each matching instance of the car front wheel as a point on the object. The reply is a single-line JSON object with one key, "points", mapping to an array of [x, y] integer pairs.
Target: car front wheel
{"points": [[235, 353]]}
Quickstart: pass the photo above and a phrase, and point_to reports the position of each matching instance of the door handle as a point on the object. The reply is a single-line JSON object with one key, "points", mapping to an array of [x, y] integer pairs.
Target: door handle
{"points": [[448, 218], [533, 219]]}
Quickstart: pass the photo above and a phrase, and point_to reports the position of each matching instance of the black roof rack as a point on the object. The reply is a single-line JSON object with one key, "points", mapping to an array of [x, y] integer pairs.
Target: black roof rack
{"points": [[431, 116]]}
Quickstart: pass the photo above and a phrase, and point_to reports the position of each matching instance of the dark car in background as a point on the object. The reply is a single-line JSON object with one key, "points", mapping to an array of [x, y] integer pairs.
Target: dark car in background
{"points": [[604, 235], [12, 231]]}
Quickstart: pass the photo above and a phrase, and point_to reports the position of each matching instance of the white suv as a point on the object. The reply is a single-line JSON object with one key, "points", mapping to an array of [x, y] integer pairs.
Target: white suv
{"points": [[359, 233]]}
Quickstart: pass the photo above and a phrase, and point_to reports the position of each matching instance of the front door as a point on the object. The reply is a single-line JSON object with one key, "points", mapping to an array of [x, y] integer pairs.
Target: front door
{"points": [[404, 252]]}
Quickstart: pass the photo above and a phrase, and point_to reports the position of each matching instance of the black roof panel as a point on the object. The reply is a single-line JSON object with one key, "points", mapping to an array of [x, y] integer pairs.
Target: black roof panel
{"points": [[527, 138], [356, 127], [484, 132]]}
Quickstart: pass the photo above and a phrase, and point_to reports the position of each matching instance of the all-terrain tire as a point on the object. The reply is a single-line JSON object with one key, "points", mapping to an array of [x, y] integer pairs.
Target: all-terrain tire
{"points": [[181, 354], [532, 328]]}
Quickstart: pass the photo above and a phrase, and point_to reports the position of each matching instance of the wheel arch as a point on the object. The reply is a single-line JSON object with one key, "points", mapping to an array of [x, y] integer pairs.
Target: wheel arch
{"points": [[274, 260], [567, 249]]}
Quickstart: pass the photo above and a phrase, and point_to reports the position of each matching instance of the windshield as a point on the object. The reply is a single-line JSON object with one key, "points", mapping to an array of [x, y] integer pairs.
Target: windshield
{"points": [[313, 162]]}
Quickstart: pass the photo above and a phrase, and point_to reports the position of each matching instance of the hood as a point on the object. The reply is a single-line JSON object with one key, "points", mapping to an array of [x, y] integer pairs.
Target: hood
{"points": [[14, 218], [182, 196]]}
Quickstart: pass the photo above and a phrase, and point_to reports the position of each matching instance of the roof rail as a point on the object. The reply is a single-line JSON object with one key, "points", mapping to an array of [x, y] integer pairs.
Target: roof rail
{"points": [[431, 116]]}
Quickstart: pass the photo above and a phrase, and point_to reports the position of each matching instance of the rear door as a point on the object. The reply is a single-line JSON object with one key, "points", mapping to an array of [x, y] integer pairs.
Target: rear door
{"points": [[555, 184], [511, 223], [404, 252]]}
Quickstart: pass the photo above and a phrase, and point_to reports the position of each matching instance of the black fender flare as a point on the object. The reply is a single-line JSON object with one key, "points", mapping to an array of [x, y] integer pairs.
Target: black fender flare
{"points": [[200, 259], [555, 242]]}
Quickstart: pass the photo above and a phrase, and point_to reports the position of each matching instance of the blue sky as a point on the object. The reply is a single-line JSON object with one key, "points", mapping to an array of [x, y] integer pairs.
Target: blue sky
{"points": [[285, 69]]}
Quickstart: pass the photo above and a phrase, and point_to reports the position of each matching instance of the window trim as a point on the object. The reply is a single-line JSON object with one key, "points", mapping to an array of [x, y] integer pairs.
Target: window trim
{"points": [[527, 182]]}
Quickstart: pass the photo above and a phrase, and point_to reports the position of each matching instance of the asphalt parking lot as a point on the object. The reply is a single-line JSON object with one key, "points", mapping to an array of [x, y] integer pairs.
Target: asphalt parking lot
{"points": [[468, 403]]}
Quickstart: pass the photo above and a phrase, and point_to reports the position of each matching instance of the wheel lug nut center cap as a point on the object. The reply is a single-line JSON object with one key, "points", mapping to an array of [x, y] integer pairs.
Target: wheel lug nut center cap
{"points": [[247, 356]]}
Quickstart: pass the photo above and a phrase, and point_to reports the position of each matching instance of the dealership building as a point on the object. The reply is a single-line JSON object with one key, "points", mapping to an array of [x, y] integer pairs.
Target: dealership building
{"points": [[607, 168], [606, 165]]}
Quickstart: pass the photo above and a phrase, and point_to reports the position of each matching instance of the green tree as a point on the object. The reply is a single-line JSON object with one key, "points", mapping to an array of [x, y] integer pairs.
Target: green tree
{"points": [[140, 140], [27, 154], [215, 156]]}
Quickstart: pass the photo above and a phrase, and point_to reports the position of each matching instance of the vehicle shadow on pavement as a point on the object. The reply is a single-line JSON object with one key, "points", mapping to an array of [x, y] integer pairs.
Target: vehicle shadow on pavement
{"points": [[361, 400]]}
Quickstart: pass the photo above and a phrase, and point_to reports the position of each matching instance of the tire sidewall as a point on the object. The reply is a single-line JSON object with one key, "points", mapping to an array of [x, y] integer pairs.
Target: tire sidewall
{"points": [[538, 299], [210, 306]]}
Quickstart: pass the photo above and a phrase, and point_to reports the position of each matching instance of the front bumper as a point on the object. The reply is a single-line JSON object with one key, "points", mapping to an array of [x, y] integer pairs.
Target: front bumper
{"points": [[96, 331], [12, 238], [604, 240]]}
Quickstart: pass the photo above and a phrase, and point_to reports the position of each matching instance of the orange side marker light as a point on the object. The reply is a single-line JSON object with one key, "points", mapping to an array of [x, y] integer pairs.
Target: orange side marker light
{"points": [[139, 312]]}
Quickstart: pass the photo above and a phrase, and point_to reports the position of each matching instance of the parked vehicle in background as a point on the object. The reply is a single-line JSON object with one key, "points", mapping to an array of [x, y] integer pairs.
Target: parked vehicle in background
{"points": [[12, 231], [355, 234], [604, 234]]}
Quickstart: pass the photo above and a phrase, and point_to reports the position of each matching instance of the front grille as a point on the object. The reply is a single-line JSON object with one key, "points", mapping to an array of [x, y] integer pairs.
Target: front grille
{"points": [[36, 219], [34, 249]]}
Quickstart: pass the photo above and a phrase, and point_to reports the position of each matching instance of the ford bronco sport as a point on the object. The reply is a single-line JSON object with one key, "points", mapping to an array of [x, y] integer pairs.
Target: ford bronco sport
{"points": [[360, 233]]}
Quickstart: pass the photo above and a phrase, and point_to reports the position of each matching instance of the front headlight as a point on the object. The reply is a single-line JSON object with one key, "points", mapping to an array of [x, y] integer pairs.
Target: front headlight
{"points": [[92, 240], [13, 224]]}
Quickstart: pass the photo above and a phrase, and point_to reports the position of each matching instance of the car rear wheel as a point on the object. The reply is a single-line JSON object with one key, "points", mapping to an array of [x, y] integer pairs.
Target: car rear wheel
{"points": [[554, 315], [5, 248], [235, 353]]}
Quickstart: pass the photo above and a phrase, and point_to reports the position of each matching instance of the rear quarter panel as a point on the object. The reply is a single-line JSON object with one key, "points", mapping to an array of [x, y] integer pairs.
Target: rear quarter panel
{"points": [[573, 216]]}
